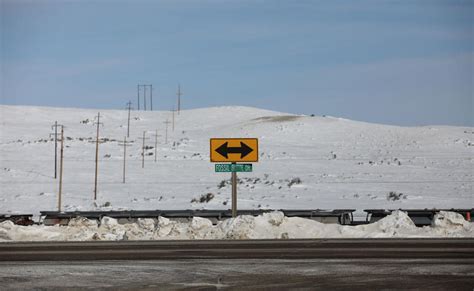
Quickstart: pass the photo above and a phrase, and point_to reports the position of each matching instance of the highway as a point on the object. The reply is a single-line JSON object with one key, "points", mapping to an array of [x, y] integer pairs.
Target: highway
{"points": [[240, 249], [355, 264]]}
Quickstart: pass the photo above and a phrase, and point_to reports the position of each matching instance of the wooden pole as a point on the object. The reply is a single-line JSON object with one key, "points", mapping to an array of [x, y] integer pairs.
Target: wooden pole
{"points": [[151, 97], [144, 97], [166, 131], [55, 126], [55, 149], [156, 144], [124, 156], [61, 170], [173, 120], [143, 151], [129, 106], [125, 145], [96, 157], [138, 97], [179, 98]]}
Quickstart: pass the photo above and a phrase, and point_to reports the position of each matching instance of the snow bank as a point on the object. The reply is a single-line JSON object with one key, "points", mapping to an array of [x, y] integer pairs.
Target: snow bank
{"points": [[272, 225]]}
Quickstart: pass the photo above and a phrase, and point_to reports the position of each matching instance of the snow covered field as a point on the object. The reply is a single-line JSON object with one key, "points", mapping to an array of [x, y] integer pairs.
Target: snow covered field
{"points": [[333, 162]]}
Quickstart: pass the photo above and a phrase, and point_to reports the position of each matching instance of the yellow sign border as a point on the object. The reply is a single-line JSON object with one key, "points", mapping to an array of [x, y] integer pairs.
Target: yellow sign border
{"points": [[233, 160]]}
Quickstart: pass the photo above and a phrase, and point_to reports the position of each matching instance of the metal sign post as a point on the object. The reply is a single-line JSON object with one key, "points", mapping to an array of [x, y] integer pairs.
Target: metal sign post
{"points": [[234, 193]]}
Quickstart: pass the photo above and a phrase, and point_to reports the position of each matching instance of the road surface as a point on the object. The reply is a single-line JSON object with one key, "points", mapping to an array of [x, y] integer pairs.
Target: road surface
{"points": [[240, 249], [241, 265]]}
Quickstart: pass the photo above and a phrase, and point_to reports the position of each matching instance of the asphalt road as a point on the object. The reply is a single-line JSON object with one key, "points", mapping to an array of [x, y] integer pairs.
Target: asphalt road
{"points": [[407, 264], [241, 249]]}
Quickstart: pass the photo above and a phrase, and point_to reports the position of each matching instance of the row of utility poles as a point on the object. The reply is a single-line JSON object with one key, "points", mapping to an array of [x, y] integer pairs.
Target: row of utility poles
{"points": [[98, 140], [142, 91], [145, 91]]}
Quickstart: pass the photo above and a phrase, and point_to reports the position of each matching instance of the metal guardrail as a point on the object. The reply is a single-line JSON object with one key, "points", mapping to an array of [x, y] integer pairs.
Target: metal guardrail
{"points": [[20, 219], [421, 217], [341, 216]]}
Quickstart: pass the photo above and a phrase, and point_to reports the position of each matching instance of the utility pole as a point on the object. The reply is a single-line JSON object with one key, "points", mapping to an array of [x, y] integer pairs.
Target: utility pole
{"points": [[151, 97], [156, 144], [61, 170], [125, 145], [150, 94], [143, 150], [138, 97], [129, 107], [124, 156], [172, 110], [166, 132], [179, 97], [97, 155], [55, 127], [144, 96]]}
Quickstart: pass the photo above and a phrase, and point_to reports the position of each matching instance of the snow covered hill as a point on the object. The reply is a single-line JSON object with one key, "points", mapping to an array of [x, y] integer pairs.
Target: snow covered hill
{"points": [[305, 162]]}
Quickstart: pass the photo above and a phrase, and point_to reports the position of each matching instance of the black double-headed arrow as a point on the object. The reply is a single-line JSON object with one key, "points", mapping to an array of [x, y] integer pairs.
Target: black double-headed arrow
{"points": [[243, 150]]}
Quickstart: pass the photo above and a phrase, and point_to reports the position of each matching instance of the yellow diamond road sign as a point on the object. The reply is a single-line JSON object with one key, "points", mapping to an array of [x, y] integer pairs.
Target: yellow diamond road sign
{"points": [[234, 150]]}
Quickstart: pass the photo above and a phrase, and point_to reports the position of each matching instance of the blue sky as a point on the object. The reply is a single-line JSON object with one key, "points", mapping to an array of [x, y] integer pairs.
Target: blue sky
{"points": [[396, 62]]}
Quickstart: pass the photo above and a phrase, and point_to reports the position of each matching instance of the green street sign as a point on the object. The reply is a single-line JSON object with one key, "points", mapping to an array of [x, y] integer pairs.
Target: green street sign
{"points": [[233, 167]]}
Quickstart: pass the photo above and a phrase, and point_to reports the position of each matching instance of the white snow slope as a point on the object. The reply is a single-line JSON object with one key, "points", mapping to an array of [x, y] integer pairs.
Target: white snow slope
{"points": [[341, 163]]}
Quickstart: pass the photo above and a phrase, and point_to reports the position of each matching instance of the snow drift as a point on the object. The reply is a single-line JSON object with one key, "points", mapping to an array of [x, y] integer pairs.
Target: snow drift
{"points": [[272, 225]]}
